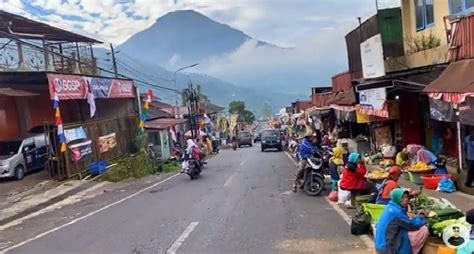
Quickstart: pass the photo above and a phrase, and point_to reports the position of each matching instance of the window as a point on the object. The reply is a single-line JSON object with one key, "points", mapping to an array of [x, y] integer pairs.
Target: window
{"points": [[424, 13], [461, 6]]}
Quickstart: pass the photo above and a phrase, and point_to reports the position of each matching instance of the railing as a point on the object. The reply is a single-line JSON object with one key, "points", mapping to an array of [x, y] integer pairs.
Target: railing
{"points": [[16, 56]]}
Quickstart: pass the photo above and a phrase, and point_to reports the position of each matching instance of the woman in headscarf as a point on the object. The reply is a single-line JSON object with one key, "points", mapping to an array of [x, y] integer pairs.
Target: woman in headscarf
{"points": [[353, 178], [393, 225], [335, 162], [421, 153], [192, 150]]}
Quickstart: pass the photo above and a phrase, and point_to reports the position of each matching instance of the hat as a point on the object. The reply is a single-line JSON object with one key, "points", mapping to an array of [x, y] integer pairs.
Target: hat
{"points": [[395, 171]]}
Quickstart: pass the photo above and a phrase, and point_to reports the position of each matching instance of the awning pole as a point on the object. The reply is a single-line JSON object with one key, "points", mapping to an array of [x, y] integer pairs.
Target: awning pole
{"points": [[458, 125]]}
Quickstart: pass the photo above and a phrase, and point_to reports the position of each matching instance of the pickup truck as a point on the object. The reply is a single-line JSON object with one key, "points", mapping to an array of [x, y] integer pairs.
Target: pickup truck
{"points": [[22, 155]]}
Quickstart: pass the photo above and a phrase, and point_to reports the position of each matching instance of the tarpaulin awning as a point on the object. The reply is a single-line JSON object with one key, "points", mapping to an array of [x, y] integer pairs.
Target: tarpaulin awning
{"points": [[455, 84], [163, 123], [15, 92], [345, 98], [317, 111]]}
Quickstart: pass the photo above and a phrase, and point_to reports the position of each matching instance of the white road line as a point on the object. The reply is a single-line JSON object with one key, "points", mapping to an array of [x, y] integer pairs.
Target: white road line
{"points": [[182, 238], [367, 240], [227, 183], [87, 215]]}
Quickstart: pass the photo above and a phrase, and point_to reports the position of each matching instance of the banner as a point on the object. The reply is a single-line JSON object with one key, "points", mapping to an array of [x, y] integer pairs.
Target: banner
{"points": [[373, 98], [371, 54], [72, 87], [107, 142], [74, 134], [80, 151]]}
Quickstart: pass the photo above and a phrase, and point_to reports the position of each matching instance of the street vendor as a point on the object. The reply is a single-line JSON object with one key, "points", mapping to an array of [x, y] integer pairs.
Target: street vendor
{"points": [[335, 162], [421, 153], [393, 225], [389, 184], [353, 178], [402, 158]]}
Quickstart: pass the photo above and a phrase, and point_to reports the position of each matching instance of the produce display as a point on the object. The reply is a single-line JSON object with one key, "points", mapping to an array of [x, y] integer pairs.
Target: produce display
{"points": [[377, 174], [420, 167]]}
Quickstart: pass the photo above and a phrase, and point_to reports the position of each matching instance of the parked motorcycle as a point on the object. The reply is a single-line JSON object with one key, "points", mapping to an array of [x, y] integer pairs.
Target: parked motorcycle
{"points": [[313, 178]]}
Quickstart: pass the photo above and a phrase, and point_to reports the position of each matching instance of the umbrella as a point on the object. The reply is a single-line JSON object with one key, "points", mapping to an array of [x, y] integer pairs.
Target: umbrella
{"points": [[201, 133]]}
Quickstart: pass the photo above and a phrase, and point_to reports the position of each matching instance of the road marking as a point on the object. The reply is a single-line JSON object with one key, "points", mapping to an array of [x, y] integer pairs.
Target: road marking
{"points": [[182, 238], [365, 239], [227, 183], [87, 215]]}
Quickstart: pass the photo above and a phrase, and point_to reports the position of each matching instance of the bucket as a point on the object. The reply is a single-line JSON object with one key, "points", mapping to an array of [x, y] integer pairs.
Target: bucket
{"points": [[430, 181], [417, 176]]}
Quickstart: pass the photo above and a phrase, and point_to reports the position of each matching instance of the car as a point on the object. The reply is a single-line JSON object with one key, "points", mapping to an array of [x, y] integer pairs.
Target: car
{"points": [[271, 139], [257, 137], [244, 138], [22, 155]]}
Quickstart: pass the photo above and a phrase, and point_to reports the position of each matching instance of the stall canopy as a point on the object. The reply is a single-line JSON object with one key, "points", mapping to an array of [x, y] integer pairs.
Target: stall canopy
{"points": [[455, 84]]}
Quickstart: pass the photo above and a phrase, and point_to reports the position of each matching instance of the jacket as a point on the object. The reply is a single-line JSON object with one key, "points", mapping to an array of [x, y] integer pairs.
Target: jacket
{"points": [[391, 234], [306, 149], [353, 180]]}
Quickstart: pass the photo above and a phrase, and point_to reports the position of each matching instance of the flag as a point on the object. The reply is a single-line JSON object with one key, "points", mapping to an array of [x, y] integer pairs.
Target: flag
{"points": [[91, 101], [173, 133]]}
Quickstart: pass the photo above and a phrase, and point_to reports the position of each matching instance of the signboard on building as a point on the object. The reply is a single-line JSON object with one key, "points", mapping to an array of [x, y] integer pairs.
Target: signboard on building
{"points": [[371, 53], [73, 87], [107, 142], [373, 98], [81, 151]]}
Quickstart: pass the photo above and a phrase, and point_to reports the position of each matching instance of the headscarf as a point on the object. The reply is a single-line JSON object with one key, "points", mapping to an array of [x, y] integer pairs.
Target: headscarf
{"points": [[397, 194], [413, 148], [394, 171], [353, 157], [190, 145], [337, 154]]}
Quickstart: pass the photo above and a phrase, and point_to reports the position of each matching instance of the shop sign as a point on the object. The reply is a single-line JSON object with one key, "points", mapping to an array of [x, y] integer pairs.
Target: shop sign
{"points": [[107, 142], [71, 87], [371, 51], [81, 151], [373, 98]]}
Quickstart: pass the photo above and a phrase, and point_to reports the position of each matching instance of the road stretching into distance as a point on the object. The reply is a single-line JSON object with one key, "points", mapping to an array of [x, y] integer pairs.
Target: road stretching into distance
{"points": [[241, 204]]}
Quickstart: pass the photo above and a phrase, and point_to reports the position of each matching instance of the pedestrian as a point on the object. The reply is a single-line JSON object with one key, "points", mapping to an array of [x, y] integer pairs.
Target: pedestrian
{"points": [[353, 178], [393, 225], [469, 149]]}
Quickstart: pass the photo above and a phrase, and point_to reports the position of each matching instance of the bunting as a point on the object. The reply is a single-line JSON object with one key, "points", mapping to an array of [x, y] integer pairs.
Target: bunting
{"points": [[146, 107], [59, 124]]}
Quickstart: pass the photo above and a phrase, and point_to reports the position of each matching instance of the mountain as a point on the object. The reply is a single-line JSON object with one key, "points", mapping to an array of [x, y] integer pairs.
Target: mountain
{"points": [[184, 37]]}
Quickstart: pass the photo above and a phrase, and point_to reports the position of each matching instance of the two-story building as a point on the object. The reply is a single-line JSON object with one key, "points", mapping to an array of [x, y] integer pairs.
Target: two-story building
{"points": [[50, 82]]}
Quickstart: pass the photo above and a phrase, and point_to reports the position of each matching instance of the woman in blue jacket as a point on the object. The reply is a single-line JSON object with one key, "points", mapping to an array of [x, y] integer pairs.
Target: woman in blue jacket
{"points": [[391, 235]]}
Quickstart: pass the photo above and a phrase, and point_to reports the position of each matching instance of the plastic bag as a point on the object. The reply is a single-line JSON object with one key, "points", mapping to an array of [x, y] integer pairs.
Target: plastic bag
{"points": [[446, 185], [343, 195], [360, 224], [333, 196]]}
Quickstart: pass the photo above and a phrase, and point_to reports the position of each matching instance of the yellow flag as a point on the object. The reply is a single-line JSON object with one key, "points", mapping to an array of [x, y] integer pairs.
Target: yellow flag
{"points": [[56, 113], [63, 147]]}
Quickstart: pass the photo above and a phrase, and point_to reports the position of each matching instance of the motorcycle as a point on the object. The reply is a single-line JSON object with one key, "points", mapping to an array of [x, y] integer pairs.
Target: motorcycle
{"points": [[327, 154], [191, 167], [313, 179], [234, 145]]}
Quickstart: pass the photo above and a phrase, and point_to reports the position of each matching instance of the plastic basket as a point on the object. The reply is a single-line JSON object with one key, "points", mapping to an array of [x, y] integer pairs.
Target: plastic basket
{"points": [[417, 176], [374, 210], [98, 167], [430, 181]]}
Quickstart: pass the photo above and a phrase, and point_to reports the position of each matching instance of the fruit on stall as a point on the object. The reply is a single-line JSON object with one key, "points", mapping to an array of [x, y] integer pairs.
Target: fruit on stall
{"points": [[419, 167]]}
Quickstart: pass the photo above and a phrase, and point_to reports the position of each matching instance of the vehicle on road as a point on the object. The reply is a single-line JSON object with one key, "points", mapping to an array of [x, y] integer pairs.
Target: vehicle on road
{"points": [[22, 155], [313, 178], [257, 137], [244, 138], [271, 139]]}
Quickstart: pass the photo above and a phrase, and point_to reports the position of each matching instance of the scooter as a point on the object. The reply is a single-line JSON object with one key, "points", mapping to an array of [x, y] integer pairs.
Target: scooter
{"points": [[191, 167], [313, 178]]}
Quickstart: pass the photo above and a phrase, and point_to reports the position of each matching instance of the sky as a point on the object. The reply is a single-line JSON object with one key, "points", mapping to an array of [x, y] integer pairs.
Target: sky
{"points": [[313, 29]]}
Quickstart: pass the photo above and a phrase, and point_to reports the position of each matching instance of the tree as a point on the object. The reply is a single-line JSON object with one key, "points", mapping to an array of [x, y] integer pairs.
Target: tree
{"points": [[245, 115], [266, 111]]}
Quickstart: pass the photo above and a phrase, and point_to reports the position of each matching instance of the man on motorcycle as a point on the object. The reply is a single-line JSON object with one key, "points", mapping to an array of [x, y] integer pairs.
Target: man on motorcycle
{"points": [[308, 147]]}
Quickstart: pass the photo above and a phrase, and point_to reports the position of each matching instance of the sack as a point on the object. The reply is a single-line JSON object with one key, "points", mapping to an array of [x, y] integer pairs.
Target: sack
{"points": [[360, 224], [446, 185], [343, 195], [332, 196]]}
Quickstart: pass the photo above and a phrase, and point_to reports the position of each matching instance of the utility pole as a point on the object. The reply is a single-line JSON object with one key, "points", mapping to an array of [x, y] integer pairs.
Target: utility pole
{"points": [[112, 50], [193, 109], [377, 5]]}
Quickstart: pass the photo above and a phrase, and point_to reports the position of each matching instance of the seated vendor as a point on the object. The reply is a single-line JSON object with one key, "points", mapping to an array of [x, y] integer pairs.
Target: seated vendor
{"points": [[402, 158], [421, 153], [389, 184], [391, 235]]}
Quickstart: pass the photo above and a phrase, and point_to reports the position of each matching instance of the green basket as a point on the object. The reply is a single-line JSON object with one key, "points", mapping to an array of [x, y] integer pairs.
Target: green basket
{"points": [[374, 210]]}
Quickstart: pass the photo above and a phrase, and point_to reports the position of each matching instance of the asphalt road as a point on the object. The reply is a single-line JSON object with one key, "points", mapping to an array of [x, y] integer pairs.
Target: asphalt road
{"points": [[241, 204]]}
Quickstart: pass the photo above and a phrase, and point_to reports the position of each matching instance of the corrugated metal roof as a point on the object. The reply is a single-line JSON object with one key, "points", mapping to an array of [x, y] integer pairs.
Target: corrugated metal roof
{"points": [[341, 82], [462, 43], [456, 78], [346, 98], [15, 92]]}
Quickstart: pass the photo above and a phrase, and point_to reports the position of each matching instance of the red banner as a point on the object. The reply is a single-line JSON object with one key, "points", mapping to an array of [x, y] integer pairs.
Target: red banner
{"points": [[71, 87], [67, 87]]}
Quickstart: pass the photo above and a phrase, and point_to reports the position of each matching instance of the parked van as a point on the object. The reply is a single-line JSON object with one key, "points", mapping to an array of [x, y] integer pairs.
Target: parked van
{"points": [[22, 155]]}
